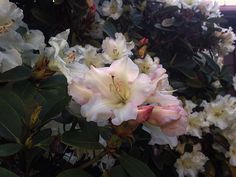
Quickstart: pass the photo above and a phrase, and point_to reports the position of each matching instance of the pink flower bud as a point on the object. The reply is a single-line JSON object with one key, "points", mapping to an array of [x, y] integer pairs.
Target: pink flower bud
{"points": [[171, 119]]}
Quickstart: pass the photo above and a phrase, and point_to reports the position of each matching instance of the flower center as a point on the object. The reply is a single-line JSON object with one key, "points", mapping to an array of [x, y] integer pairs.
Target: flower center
{"points": [[71, 57], [218, 113], [5, 27], [113, 7], [115, 53], [120, 90]]}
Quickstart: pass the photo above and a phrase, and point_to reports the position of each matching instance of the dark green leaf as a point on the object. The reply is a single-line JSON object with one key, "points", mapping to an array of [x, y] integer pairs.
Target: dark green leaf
{"points": [[6, 173], [109, 29], [134, 167], [16, 74], [10, 122], [87, 137], [9, 149], [74, 173], [118, 171]]}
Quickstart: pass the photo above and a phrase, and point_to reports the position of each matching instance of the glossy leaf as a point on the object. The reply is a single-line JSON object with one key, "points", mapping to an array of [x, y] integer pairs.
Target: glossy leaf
{"points": [[6, 173], [74, 173], [11, 121], [16, 74], [9, 149], [134, 167], [87, 137]]}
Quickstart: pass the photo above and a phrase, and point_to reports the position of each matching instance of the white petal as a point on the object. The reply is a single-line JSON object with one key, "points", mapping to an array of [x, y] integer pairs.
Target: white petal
{"points": [[9, 59], [128, 112], [141, 89], [125, 68], [158, 137], [96, 109]]}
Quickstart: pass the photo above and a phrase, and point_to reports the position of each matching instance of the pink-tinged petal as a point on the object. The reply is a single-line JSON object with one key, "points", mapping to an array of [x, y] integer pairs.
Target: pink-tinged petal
{"points": [[128, 112], [141, 89], [163, 115], [158, 137], [144, 113], [79, 93], [163, 99], [124, 68], [175, 128], [98, 80], [96, 110]]}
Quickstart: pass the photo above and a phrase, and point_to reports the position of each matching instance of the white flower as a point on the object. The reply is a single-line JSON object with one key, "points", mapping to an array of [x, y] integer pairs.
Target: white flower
{"points": [[169, 2], [226, 39], [117, 48], [210, 8], [90, 57], [216, 84], [96, 28], [148, 65], [167, 22], [9, 59], [189, 4], [65, 59], [196, 121], [112, 8], [234, 82], [190, 164], [34, 40], [221, 111], [189, 106], [232, 154], [107, 162], [158, 137], [10, 16], [117, 91]]}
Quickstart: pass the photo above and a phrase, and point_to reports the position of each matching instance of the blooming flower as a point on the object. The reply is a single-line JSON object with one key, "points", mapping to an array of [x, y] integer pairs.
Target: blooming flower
{"points": [[117, 90], [112, 8], [116, 48], [189, 4], [226, 40], [158, 137], [10, 16], [90, 57], [232, 154], [209, 8], [196, 121], [221, 111], [65, 59], [171, 119], [169, 2], [234, 82], [9, 59], [190, 164]]}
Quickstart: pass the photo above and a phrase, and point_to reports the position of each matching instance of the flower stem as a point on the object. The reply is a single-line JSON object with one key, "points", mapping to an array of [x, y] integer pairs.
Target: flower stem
{"points": [[97, 158]]}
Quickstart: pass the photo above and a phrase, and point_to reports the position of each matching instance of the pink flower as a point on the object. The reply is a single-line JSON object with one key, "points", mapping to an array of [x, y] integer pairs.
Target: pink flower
{"points": [[144, 113], [171, 119]]}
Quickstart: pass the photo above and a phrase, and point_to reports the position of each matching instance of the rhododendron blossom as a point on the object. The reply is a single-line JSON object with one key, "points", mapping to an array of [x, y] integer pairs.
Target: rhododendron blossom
{"points": [[117, 91]]}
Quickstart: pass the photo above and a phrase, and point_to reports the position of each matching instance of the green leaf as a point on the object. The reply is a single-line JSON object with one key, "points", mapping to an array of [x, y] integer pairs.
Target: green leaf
{"points": [[134, 167], [87, 137], [9, 149], [109, 28], [14, 100], [43, 16], [10, 123], [6, 173], [74, 173], [16, 74], [118, 171]]}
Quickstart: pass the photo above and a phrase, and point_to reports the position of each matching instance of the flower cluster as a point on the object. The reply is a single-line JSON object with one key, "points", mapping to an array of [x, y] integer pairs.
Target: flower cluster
{"points": [[126, 90], [190, 164], [219, 113]]}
